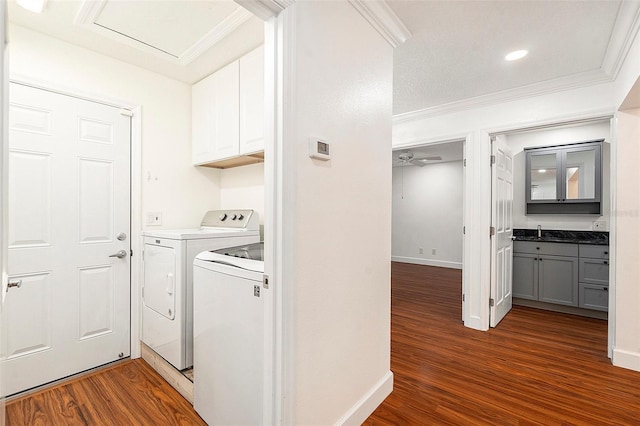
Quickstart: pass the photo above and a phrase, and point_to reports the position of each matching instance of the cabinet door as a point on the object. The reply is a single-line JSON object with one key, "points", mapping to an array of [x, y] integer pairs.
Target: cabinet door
{"points": [[215, 116], [558, 280], [226, 112], [525, 276], [252, 102], [202, 120], [543, 179], [582, 179]]}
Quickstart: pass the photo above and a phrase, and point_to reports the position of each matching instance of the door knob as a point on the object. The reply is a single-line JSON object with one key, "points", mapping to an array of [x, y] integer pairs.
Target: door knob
{"points": [[121, 254]]}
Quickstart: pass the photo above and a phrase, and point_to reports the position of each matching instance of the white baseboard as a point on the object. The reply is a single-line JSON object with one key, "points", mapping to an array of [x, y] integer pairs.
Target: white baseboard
{"points": [[626, 359], [368, 403], [428, 262]]}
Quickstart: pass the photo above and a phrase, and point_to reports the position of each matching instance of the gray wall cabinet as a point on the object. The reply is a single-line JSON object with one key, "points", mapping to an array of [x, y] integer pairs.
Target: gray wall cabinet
{"points": [[561, 273], [565, 179]]}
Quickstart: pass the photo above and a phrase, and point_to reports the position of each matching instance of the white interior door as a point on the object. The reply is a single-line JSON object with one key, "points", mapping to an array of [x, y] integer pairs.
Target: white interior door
{"points": [[501, 241], [69, 211]]}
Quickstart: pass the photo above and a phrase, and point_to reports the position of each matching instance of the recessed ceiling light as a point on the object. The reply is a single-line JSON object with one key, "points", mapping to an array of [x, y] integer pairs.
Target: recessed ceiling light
{"points": [[515, 55]]}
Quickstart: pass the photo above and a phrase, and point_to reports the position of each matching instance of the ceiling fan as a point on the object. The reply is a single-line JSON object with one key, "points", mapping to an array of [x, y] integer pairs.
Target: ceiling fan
{"points": [[407, 158]]}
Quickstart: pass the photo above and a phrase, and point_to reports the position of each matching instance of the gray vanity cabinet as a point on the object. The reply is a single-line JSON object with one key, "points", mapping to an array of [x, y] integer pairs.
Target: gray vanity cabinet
{"points": [[547, 272], [562, 273]]}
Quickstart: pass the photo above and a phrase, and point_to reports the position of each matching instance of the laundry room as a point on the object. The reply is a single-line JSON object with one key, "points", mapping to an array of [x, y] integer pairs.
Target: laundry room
{"points": [[153, 188]]}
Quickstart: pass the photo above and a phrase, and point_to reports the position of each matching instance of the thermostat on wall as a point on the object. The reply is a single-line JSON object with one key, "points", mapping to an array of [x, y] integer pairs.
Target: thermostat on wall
{"points": [[319, 149]]}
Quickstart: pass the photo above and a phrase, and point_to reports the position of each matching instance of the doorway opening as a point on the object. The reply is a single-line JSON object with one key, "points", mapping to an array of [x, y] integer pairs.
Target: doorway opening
{"points": [[427, 208], [561, 261]]}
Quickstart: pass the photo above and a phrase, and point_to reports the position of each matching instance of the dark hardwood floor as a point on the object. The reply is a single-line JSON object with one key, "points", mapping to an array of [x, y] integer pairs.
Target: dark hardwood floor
{"points": [[128, 393], [536, 367]]}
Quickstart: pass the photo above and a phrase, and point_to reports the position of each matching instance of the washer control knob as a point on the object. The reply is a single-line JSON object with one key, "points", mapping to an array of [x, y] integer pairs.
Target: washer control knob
{"points": [[223, 216], [234, 217], [240, 217]]}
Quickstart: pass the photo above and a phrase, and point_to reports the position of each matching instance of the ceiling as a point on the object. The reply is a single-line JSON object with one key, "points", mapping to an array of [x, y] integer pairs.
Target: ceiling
{"points": [[457, 48], [182, 39], [455, 53], [449, 151]]}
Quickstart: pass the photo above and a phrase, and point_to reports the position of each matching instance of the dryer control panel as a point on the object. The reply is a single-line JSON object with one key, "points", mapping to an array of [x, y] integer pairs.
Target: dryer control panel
{"points": [[242, 219]]}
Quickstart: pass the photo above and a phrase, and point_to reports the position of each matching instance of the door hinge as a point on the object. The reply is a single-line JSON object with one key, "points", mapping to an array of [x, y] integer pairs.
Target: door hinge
{"points": [[126, 112], [464, 163], [493, 138], [265, 281], [491, 302], [463, 297], [493, 160], [131, 252], [464, 230], [492, 231]]}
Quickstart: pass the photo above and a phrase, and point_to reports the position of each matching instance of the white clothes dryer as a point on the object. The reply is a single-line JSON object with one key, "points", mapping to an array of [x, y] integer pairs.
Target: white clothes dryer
{"points": [[167, 293]]}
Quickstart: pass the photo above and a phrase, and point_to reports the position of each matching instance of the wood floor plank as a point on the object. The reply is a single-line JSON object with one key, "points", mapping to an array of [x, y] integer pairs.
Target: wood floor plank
{"points": [[130, 393], [535, 368]]}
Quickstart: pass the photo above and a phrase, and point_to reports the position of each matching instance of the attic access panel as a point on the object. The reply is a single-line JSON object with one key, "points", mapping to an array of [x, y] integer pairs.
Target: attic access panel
{"points": [[179, 31]]}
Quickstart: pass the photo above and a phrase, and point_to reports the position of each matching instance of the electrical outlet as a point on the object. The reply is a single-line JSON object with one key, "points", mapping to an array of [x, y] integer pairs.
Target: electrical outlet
{"points": [[154, 218], [599, 225], [433, 251], [420, 250]]}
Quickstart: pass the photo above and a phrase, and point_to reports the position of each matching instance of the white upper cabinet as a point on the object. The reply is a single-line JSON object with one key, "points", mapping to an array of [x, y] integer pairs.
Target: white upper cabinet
{"points": [[252, 102], [228, 113]]}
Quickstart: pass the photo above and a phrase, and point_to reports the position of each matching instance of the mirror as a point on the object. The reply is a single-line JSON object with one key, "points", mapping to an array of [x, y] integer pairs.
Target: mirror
{"points": [[543, 176], [580, 175]]}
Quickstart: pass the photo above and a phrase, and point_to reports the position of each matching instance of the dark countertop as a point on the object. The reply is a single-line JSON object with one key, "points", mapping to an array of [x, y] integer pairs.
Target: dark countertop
{"points": [[561, 236]]}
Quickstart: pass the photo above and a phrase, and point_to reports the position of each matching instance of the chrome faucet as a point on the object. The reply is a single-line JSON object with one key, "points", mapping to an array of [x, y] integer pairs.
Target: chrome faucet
{"points": [[539, 231]]}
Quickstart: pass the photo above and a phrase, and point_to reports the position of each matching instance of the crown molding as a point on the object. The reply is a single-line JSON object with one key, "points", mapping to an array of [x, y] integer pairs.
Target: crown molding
{"points": [[220, 31], [383, 19], [546, 87], [624, 31], [265, 9], [89, 11]]}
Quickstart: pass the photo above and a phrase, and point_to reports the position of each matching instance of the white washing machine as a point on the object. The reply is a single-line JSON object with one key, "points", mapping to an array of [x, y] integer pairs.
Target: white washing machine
{"points": [[229, 336], [167, 312]]}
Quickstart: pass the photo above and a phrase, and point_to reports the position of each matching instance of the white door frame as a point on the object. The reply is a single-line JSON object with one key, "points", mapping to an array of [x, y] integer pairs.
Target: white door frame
{"points": [[136, 188]]}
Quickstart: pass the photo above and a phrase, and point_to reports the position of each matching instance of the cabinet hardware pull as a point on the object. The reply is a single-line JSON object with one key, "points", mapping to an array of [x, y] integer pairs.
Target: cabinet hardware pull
{"points": [[606, 252], [606, 263], [537, 248]]}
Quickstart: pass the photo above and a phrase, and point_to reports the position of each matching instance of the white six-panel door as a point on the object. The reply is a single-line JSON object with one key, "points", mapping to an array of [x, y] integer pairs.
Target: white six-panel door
{"points": [[69, 200], [501, 242]]}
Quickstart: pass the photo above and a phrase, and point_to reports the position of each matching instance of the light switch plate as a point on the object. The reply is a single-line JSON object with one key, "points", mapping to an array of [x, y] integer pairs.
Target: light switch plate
{"points": [[599, 225]]}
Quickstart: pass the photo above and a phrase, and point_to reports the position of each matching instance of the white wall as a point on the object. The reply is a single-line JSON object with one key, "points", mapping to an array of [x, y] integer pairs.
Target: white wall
{"points": [[629, 73], [429, 215], [170, 184], [627, 242], [243, 188], [341, 237], [558, 136]]}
